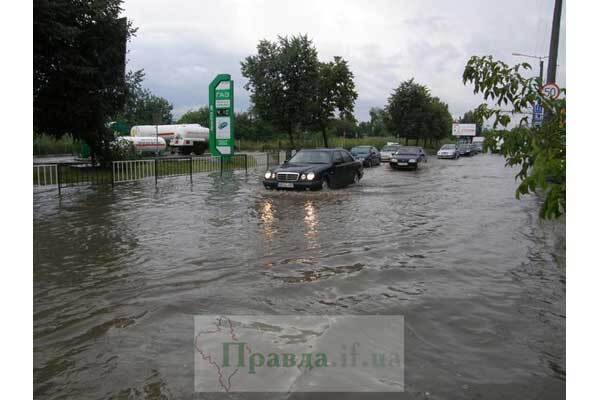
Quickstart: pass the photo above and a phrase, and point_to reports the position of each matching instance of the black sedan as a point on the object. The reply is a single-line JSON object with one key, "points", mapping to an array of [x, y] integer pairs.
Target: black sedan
{"points": [[315, 169], [408, 158], [369, 155]]}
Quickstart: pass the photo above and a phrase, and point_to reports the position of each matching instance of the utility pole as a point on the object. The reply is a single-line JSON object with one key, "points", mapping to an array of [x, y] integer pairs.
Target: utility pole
{"points": [[551, 75]]}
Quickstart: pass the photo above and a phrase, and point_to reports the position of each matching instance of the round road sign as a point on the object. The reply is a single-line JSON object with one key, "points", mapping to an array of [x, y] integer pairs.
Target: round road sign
{"points": [[551, 90]]}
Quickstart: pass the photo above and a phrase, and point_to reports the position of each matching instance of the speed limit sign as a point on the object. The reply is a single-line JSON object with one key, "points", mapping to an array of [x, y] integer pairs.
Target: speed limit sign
{"points": [[551, 90]]}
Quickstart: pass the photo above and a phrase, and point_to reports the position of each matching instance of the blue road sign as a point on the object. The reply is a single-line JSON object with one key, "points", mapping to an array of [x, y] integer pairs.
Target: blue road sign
{"points": [[538, 114]]}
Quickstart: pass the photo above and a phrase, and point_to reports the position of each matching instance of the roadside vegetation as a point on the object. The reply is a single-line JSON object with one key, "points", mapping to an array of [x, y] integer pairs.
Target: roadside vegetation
{"points": [[49, 145], [539, 152]]}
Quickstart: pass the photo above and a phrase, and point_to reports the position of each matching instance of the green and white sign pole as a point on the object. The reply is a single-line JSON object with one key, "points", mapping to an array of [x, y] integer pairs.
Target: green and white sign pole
{"points": [[220, 97]]}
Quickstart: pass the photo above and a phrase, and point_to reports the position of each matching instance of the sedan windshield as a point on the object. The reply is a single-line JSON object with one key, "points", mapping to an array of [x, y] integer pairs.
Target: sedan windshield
{"points": [[360, 150], [407, 150], [448, 147], [390, 148], [311, 157]]}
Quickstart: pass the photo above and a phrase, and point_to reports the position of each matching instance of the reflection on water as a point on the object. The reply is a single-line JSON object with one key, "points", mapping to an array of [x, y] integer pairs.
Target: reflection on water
{"points": [[119, 274], [311, 220], [267, 217]]}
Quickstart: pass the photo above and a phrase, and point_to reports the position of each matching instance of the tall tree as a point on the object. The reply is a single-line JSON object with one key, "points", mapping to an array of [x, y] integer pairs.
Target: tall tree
{"points": [[407, 110], [378, 118], [282, 78], [335, 94], [79, 67], [440, 120]]}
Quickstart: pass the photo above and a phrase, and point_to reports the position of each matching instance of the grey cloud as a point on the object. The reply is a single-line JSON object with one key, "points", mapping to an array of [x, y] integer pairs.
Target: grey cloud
{"points": [[385, 42]]}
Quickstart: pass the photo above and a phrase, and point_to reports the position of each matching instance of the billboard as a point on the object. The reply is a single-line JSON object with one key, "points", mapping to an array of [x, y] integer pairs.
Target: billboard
{"points": [[463, 129]]}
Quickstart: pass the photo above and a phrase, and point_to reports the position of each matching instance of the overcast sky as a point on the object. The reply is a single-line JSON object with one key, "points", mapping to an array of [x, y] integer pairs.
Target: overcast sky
{"points": [[182, 45]]}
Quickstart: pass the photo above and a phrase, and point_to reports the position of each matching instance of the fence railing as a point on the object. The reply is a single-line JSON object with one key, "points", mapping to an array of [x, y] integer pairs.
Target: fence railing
{"points": [[132, 170], [84, 173], [45, 175]]}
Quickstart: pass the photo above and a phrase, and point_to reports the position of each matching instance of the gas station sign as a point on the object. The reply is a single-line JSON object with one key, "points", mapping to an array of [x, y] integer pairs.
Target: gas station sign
{"points": [[220, 96]]}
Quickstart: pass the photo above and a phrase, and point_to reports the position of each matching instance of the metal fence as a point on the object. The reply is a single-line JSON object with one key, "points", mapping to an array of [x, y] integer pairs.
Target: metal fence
{"points": [[84, 173], [45, 175], [132, 170]]}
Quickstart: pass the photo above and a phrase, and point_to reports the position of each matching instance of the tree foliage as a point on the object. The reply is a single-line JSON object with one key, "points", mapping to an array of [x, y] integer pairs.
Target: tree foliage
{"points": [[378, 118], [79, 64], [295, 92], [413, 113], [282, 78], [200, 116], [540, 152], [335, 94]]}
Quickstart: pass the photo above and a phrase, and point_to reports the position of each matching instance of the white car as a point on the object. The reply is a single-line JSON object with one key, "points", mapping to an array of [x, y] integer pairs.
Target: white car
{"points": [[448, 151], [387, 151]]}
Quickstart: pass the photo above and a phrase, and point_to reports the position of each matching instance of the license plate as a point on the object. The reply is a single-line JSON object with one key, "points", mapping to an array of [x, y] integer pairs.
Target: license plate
{"points": [[403, 164], [288, 185]]}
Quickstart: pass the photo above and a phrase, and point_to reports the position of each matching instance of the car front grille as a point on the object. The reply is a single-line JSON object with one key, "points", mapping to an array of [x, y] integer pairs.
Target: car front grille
{"points": [[287, 176]]}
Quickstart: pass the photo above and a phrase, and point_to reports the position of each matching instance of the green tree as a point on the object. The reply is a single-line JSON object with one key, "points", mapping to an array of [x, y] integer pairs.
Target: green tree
{"points": [[282, 79], [378, 118], [412, 113], [364, 128], [78, 68], [335, 95], [440, 120], [540, 152], [344, 127], [200, 116]]}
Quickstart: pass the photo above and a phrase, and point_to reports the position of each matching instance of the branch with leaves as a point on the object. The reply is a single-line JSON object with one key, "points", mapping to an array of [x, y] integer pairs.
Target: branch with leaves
{"points": [[540, 152]]}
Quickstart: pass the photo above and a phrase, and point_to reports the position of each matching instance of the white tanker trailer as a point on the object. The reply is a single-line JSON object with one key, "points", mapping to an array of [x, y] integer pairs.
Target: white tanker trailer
{"points": [[184, 137], [145, 144]]}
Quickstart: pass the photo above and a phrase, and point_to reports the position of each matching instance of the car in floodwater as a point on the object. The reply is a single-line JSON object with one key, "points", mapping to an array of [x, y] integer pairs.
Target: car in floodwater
{"points": [[477, 147], [314, 169], [388, 150], [408, 157], [464, 149], [369, 155], [448, 151]]}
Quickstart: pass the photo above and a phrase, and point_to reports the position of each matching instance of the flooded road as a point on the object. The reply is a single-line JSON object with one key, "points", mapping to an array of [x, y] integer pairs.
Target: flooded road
{"points": [[119, 275]]}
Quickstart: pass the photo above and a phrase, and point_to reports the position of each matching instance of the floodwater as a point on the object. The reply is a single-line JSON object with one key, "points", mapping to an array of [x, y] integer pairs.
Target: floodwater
{"points": [[120, 273]]}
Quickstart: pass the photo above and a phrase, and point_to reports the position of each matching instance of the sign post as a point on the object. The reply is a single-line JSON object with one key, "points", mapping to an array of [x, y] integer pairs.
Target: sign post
{"points": [[538, 114], [220, 96]]}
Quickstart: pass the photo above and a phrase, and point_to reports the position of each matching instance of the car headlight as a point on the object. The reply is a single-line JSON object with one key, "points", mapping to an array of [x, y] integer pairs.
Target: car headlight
{"points": [[303, 177], [412, 160], [268, 175], [310, 176]]}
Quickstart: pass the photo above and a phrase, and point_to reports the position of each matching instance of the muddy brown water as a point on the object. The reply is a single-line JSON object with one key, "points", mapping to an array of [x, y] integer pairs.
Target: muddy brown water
{"points": [[120, 273]]}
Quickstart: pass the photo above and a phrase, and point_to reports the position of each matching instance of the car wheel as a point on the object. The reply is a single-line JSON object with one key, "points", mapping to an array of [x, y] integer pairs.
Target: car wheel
{"points": [[356, 178], [325, 185]]}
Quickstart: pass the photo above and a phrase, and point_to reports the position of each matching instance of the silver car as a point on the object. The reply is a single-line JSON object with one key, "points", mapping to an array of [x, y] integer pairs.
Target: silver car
{"points": [[387, 151], [448, 151]]}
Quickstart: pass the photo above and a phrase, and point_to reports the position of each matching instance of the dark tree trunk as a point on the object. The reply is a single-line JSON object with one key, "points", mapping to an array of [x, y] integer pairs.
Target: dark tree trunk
{"points": [[291, 135], [325, 143]]}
